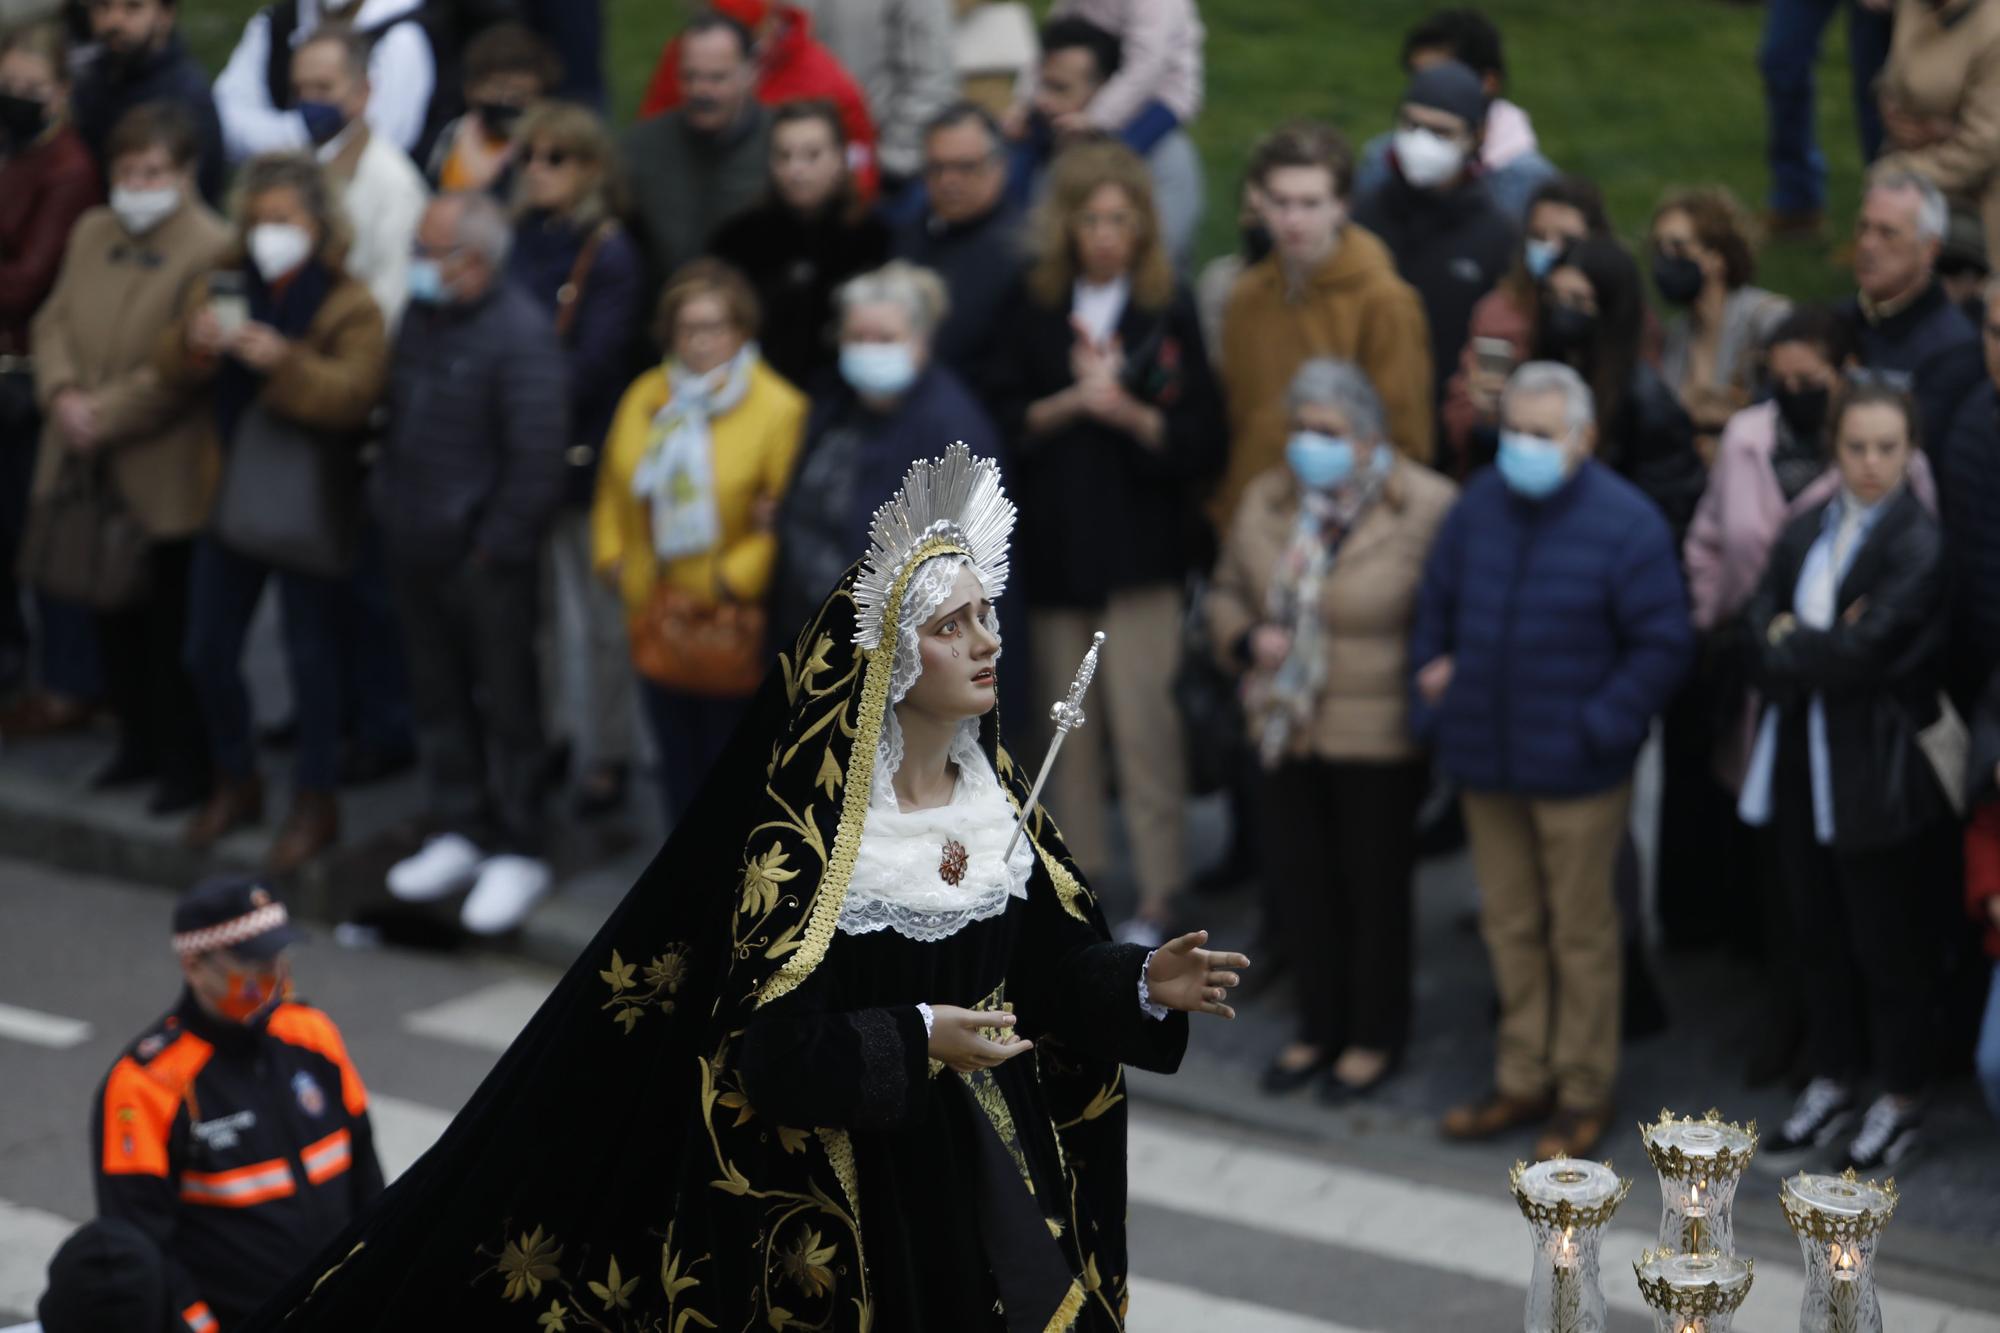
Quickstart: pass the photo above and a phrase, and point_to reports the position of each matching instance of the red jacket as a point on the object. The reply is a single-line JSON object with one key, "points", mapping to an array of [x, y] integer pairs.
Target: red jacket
{"points": [[42, 193], [793, 68], [1982, 869]]}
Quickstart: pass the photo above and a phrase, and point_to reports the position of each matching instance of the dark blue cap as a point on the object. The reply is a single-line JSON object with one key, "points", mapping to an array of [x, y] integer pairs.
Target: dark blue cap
{"points": [[234, 912]]}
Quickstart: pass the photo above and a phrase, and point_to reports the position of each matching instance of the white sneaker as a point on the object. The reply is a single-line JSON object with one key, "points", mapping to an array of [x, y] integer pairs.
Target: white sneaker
{"points": [[508, 889], [447, 864], [1138, 930]]}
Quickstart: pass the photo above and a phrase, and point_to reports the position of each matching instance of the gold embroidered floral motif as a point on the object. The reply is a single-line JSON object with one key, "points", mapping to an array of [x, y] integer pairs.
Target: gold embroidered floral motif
{"points": [[805, 1262], [663, 980], [529, 1262]]}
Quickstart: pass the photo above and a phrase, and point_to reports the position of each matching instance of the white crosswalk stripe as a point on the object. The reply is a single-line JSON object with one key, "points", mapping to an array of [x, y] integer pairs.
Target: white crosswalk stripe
{"points": [[28, 1237], [40, 1029], [1165, 1307], [1459, 1233], [488, 1019]]}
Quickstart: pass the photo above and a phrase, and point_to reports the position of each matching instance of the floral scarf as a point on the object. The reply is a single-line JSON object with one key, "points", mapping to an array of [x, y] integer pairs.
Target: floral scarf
{"points": [[677, 475], [1289, 696]]}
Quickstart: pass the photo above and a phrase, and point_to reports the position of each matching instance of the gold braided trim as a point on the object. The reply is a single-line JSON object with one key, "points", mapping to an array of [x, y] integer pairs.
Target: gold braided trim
{"points": [[1067, 1312], [841, 1153], [860, 785], [1068, 888]]}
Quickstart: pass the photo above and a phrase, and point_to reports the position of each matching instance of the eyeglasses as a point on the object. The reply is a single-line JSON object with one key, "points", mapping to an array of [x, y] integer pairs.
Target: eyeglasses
{"points": [[554, 157]]}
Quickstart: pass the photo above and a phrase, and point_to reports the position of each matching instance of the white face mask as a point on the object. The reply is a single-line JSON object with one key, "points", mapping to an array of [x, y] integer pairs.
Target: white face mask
{"points": [[139, 211], [1428, 158], [276, 248]]}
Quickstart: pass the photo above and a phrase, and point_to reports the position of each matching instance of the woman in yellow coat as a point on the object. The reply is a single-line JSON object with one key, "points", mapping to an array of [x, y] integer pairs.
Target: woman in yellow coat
{"points": [[698, 457]]}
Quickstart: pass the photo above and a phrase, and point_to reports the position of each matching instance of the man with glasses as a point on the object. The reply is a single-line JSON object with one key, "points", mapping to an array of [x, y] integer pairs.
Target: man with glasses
{"points": [[968, 233], [1903, 320], [706, 160], [234, 1133]]}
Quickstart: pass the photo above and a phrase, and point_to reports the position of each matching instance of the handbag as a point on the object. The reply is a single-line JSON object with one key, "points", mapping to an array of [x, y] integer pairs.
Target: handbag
{"points": [[710, 648], [1211, 708], [290, 496], [81, 544], [1947, 746]]}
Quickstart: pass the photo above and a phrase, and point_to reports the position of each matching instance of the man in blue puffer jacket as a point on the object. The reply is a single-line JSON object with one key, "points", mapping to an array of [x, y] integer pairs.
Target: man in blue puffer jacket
{"points": [[1551, 629]]}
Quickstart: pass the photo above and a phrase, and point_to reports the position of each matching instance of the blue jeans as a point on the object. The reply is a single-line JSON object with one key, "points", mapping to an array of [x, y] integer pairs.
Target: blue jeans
{"points": [[1155, 121], [223, 588], [1790, 47], [1987, 1058]]}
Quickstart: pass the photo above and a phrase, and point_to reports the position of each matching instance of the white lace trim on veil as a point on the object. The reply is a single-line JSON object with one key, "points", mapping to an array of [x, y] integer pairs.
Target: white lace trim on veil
{"points": [[898, 882]]}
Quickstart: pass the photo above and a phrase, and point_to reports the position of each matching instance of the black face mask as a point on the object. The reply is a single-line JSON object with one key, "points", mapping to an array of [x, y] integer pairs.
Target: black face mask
{"points": [[22, 119], [1256, 242], [498, 117], [1804, 410], [1677, 277], [1565, 330]]}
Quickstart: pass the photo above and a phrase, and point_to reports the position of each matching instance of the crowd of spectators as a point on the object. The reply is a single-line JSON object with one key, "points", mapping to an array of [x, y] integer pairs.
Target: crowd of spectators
{"points": [[539, 428]]}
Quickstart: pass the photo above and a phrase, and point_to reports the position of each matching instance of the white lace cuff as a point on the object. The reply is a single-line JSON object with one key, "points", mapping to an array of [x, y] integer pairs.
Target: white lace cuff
{"points": [[928, 1018], [1146, 1005]]}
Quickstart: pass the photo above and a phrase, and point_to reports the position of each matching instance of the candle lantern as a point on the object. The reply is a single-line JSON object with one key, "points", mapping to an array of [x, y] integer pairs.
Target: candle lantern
{"points": [[1700, 1163], [1838, 1220], [1693, 1293], [1567, 1204]]}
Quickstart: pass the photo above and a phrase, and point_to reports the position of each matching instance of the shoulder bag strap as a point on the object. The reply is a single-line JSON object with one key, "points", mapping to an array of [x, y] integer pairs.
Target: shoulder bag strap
{"points": [[571, 292]]}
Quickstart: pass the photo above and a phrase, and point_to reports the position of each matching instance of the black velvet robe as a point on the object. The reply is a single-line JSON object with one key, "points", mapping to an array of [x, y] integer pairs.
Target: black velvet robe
{"points": [[975, 1208]]}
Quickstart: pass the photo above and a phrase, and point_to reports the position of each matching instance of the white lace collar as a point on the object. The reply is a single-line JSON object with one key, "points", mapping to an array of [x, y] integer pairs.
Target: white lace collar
{"points": [[904, 868]]}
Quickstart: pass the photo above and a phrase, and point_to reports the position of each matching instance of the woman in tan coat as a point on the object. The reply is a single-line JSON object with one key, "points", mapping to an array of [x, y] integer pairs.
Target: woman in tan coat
{"points": [[305, 342], [109, 414], [1312, 602]]}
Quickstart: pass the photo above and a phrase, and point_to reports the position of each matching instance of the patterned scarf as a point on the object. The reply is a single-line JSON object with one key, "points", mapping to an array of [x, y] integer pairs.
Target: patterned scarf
{"points": [[1325, 517], [677, 475]]}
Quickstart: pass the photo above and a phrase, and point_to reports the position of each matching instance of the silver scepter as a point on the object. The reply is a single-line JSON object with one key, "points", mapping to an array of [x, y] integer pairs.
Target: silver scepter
{"points": [[1068, 716]]}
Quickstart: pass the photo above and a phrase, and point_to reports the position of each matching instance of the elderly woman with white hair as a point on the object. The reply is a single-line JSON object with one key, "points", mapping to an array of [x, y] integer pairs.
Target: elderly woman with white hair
{"points": [[891, 405], [1313, 602]]}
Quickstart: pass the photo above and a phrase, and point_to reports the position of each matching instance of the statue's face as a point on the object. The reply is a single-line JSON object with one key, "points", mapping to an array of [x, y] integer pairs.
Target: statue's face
{"points": [[959, 647]]}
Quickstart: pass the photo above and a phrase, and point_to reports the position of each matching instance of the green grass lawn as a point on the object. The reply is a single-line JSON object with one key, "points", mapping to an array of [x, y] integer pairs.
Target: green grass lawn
{"points": [[1644, 95]]}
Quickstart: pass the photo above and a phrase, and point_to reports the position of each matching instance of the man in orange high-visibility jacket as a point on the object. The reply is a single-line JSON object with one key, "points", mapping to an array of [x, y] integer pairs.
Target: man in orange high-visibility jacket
{"points": [[235, 1131]]}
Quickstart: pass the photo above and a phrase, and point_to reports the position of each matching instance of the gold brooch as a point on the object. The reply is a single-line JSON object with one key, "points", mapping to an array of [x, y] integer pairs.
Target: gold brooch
{"points": [[952, 868]]}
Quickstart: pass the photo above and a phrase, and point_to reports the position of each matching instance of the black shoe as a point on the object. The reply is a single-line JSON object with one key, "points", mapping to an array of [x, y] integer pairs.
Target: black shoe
{"points": [[280, 735], [363, 764], [1336, 1091], [1279, 1080], [601, 791], [173, 798], [126, 769], [1822, 1111], [1889, 1134]]}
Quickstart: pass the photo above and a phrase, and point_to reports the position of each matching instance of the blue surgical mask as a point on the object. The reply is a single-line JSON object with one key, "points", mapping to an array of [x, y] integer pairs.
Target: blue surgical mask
{"points": [[1320, 462], [1540, 257], [1531, 466], [878, 370], [426, 282], [324, 121]]}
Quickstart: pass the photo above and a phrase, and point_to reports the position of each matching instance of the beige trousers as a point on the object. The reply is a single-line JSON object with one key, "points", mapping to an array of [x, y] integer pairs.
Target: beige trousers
{"points": [[1551, 929], [1131, 715]]}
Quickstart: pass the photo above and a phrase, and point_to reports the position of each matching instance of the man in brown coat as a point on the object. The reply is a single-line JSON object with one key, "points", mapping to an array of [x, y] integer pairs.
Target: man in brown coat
{"points": [[1940, 97], [1328, 289], [107, 411]]}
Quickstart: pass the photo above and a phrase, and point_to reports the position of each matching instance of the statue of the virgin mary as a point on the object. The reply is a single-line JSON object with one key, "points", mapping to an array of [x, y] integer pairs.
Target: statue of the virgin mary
{"points": [[838, 1061]]}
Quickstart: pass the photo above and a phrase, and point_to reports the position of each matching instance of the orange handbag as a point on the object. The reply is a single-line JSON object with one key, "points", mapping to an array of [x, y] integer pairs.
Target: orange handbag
{"points": [[696, 646]]}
